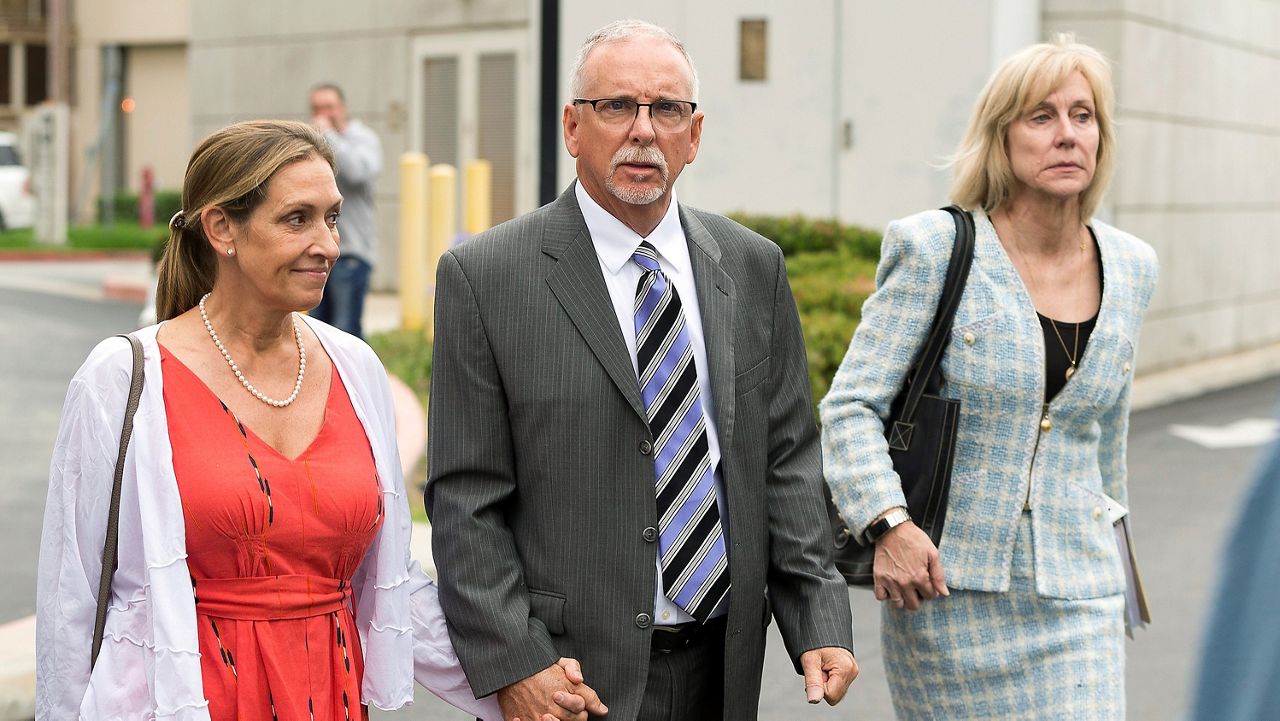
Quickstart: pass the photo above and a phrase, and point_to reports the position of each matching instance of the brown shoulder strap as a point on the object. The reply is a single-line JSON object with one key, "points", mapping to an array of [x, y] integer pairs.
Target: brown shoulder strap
{"points": [[111, 546]]}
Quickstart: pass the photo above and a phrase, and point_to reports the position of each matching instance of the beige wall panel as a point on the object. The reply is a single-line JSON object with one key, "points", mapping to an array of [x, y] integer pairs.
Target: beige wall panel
{"points": [[1058, 7], [1169, 341], [133, 21], [254, 21], [158, 131], [1165, 164], [1171, 73], [1258, 322], [759, 133], [909, 87], [1249, 22]]}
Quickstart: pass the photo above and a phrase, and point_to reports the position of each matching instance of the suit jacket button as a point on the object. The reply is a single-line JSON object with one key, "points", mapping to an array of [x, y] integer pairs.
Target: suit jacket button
{"points": [[643, 620], [970, 338], [646, 447], [649, 534]]}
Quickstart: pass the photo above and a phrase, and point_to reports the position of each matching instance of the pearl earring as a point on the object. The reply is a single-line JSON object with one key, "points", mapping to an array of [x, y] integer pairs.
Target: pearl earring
{"points": [[231, 251]]}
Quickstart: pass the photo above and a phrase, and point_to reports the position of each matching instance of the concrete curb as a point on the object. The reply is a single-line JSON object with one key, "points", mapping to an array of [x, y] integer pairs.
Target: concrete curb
{"points": [[1196, 379]]}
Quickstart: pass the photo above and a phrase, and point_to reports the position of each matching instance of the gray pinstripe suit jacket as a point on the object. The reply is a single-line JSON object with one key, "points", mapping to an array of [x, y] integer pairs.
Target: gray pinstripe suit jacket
{"points": [[539, 494]]}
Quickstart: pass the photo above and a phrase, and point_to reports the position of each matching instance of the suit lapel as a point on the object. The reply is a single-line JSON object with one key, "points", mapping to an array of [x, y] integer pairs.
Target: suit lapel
{"points": [[716, 302], [578, 284]]}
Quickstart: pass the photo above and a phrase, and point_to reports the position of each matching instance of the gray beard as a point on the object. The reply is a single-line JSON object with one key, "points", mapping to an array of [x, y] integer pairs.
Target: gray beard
{"points": [[635, 196]]}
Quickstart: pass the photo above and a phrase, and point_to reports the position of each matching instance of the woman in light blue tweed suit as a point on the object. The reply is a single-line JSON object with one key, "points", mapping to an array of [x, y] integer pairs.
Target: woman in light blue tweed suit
{"points": [[1020, 613]]}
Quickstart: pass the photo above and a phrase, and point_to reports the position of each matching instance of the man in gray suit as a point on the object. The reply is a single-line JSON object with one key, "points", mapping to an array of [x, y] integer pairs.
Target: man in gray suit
{"points": [[624, 467]]}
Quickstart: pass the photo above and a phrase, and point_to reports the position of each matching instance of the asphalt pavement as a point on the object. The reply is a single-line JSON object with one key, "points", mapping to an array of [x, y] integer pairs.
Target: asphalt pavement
{"points": [[1184, 491]]}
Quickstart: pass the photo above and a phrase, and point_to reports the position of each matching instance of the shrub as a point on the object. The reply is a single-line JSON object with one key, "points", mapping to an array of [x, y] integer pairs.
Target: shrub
{"points": [[407, 356], [168, 202], [796, 234]]}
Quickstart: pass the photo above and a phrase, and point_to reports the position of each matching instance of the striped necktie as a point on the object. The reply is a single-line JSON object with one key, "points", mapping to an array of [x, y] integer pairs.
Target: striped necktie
{"points": [[695, 565]]}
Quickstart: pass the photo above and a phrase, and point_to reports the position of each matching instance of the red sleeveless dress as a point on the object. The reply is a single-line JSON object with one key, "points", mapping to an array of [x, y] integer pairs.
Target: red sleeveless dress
{"points": [[272, 543]]}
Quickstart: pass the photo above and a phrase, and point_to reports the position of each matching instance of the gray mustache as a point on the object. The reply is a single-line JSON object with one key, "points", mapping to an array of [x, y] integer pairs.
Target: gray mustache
{"points": [[639, 154]]}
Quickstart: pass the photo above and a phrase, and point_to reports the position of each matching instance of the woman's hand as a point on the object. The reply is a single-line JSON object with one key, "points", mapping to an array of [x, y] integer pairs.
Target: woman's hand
{"points": [[907, 568]]}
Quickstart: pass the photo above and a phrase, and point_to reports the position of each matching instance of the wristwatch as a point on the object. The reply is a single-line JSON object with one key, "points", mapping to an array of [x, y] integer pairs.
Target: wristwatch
{"points": [[881, 526]]}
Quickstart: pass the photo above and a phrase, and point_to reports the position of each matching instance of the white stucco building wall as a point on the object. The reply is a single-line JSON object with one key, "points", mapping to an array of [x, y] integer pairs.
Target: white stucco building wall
{"points": [[861, 103]]}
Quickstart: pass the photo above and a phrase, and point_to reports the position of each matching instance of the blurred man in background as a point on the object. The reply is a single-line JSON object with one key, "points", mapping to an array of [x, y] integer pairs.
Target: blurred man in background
{"points": [[359, 155]]}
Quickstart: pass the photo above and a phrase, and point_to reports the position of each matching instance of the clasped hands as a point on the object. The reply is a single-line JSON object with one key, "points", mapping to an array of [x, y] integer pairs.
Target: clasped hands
{"points": [[556, 693], [560, 693]]}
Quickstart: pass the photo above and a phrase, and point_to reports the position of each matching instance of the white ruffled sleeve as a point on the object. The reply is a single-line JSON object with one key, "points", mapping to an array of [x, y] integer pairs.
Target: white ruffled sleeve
{"points": [[435, 665], [70, 552]]}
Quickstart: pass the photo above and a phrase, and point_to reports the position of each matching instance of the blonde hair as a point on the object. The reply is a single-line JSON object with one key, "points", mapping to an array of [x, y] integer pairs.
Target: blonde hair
{"points": [[230, 170], [983, 176]]}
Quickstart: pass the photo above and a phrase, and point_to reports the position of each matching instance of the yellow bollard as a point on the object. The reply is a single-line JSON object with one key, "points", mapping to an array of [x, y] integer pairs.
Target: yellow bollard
{"points": [[477, 198], [413, 241], [442, 226]]}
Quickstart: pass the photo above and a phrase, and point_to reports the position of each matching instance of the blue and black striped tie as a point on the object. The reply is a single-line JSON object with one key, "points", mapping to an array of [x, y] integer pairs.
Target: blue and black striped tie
{"points": [[695, 565]]}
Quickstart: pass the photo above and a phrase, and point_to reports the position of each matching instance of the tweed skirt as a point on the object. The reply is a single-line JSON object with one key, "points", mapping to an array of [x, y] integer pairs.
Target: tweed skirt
{"points": [[1013, 655]]}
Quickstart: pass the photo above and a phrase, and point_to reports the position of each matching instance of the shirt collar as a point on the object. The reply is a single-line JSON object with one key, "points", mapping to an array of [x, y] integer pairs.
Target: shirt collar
{"points": [[615, 243]]}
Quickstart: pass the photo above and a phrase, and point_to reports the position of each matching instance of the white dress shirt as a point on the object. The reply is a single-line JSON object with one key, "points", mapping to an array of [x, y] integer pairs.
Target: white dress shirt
{"points": [[615, 243]]}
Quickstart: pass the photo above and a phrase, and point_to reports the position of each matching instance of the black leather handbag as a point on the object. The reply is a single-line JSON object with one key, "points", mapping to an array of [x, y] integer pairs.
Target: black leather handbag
{"points": [[921, 430]]}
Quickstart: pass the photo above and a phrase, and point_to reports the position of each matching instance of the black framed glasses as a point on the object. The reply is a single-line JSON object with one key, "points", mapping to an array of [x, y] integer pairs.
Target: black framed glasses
{"points": [[671, 116]]}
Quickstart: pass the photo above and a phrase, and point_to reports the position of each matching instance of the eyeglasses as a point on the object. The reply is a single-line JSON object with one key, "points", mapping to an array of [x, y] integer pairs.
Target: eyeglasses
{"points": [[670, 116]]}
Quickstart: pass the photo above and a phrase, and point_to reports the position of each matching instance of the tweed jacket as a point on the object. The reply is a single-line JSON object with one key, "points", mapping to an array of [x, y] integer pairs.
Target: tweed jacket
{"points": [[541, 489], [995, 365]]}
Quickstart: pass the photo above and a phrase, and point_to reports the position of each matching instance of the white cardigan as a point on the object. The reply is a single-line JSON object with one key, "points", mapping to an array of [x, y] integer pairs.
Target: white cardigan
{"points": [[149, 666]]}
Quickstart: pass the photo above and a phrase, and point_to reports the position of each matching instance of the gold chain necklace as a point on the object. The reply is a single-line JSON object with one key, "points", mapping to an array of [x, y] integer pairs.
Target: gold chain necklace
{"points": [[1073, 355]]}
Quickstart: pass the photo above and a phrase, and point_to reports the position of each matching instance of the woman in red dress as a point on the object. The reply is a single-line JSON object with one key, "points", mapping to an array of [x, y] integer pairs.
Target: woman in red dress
{"points": [[264, 571]]}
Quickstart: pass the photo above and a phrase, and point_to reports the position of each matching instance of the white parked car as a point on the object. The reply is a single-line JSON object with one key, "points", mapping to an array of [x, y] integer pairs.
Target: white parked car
{"points": [[17, 206]]}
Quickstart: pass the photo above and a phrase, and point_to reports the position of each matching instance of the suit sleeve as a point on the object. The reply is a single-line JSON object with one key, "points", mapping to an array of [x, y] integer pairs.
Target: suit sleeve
{"points": [[895, 320], [471, 481], [810, 600]]}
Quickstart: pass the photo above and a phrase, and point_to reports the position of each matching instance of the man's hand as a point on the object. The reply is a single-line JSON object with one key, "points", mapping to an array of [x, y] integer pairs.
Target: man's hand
{"points": [[322, 122], [828, 672], [556, 693], [907, 568]]}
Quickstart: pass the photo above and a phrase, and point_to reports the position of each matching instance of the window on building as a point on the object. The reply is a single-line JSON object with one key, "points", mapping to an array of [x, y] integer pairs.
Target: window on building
{"points": [[752, 49], [440, 110], [37, 84], [496, 139]]}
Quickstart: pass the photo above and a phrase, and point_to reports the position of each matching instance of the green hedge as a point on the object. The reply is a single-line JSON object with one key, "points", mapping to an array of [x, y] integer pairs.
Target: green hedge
{"points": [[797, 234], [831, 268], [168, 202], [124, 236]]}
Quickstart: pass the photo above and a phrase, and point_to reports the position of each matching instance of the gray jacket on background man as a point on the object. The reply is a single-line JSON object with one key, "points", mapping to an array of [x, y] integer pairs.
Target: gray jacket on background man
{"points": [[358, 153], [541, 491]]}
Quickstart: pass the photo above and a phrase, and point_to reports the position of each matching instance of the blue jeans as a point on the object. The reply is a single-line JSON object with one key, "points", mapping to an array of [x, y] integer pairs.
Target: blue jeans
{"points": [[343, 301]]}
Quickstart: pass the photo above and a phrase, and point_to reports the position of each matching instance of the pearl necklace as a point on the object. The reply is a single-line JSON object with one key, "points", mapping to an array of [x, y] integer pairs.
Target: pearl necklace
{"points": [[302, 360]]}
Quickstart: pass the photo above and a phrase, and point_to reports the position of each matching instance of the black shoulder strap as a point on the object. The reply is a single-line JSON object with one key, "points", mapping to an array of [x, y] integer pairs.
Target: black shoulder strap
{"points": [[927, 373], [111, 546]]}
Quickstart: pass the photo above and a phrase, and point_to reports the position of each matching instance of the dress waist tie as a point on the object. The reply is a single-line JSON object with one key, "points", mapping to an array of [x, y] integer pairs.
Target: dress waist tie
{"points": [[268, 598]]}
